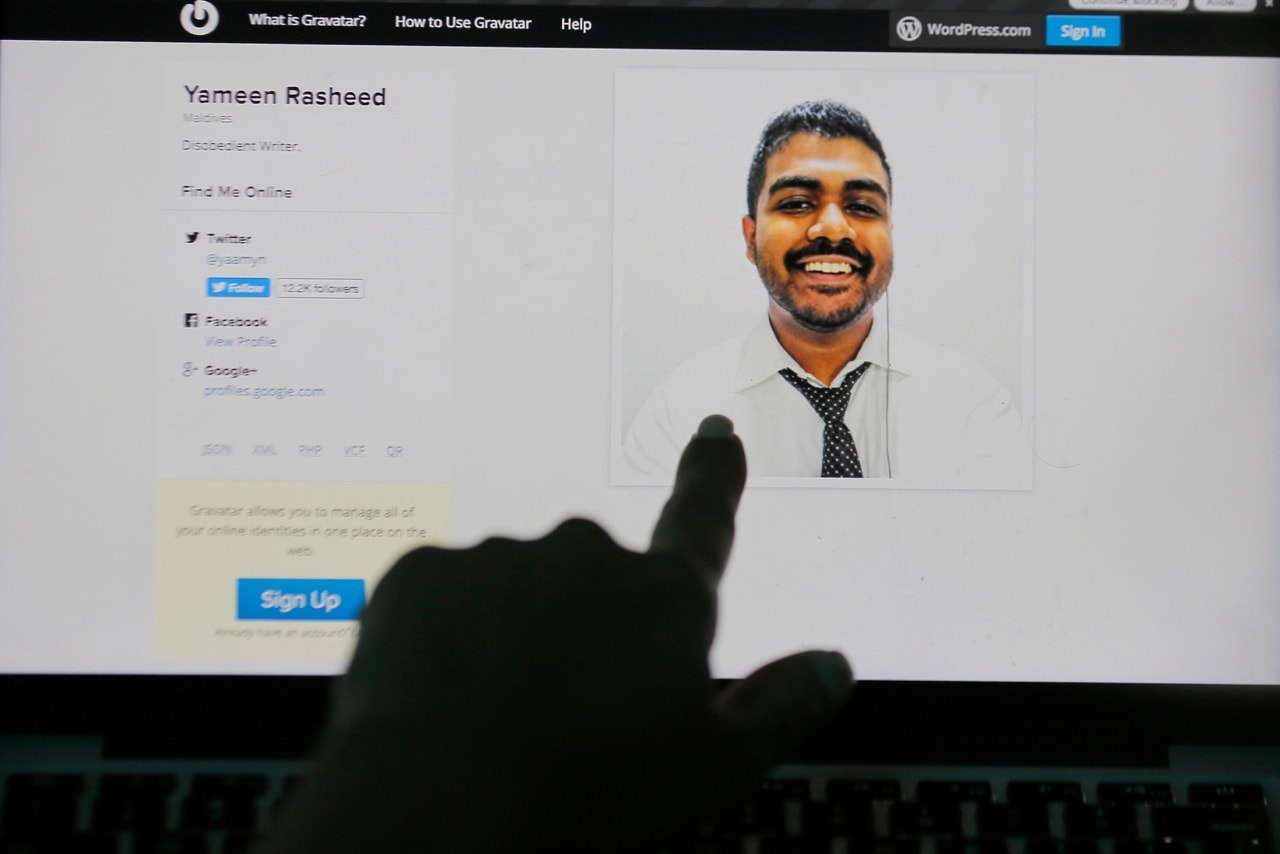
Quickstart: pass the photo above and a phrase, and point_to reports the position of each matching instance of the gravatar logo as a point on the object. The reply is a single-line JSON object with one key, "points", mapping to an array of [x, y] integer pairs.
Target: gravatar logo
{"points": [[199, 18]]}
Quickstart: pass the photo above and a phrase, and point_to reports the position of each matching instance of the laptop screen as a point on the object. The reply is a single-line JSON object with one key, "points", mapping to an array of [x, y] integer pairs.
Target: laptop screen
{"points": [[287, 289]]}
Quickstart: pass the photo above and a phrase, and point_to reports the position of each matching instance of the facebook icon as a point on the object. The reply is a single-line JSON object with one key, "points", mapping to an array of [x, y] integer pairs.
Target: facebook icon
{"points": [[191, 320]]}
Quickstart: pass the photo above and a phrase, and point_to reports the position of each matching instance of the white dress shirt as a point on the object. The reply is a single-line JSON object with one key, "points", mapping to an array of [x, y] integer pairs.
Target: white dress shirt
{"points": [[923, 415]]}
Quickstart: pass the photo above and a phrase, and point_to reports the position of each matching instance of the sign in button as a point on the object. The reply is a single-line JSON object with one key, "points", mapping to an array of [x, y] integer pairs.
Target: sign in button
{"points": [[1082, 31], [222, 286], [299, 598]]}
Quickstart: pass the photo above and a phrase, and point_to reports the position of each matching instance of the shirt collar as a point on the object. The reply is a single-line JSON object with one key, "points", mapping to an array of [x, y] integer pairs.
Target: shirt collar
{"points": [[762, 357]]}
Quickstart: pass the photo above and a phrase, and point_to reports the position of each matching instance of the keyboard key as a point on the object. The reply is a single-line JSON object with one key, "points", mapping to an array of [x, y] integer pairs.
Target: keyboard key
{"points": [[997, 821], [223, 802], [1092, 821], [971, 846], [916, 819], [43, 803], [65, 784], [288, 788], [953, 791], [1235, 846], [791, 790], [852, 820], [794, 846], [889, 846], [63, 843], [119, 814], [1226, 795], [760, 814], [715, 827], [1111, 794], [229, 785], [239, 842], [1133, 846], [181, 842], [1045, 793], [151, 784], [1240, 823], [1064, 846], [849, 791], [705, 846], [292, 782], [215, 813], [133, 802]]}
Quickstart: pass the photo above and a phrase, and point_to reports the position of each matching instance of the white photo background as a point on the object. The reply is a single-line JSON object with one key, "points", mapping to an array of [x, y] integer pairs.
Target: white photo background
{"points": [[960, 148]]}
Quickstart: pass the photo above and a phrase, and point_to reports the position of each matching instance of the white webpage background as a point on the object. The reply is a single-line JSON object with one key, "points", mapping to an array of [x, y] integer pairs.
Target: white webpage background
{"points": [[1147, 551]]}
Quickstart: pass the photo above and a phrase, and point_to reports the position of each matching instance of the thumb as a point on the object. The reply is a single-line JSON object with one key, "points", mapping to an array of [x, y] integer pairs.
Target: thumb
{"points": [[780, 706]]}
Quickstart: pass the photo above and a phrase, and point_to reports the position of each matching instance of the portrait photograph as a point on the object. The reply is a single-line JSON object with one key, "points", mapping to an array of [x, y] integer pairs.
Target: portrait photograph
{"points": [[840, 261]]}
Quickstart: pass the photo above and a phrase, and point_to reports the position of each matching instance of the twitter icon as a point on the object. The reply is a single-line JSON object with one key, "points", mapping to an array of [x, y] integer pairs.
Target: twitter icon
{"points": [[192, 235]]}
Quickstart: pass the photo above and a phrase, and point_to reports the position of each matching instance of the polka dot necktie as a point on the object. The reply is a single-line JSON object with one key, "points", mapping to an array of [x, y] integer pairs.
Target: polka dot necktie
{"points": [[839, 455]]}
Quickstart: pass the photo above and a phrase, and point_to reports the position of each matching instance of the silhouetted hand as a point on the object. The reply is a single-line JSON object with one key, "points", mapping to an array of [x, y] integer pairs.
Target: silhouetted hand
{"points": [[555, 694]]}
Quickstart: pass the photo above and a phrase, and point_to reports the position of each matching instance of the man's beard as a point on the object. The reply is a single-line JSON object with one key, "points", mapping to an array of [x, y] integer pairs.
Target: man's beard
{"points": [[875, 281]]}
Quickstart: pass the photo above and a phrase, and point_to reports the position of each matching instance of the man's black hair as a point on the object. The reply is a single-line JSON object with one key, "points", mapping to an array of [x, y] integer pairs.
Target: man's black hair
{"points": [[829, 119]]}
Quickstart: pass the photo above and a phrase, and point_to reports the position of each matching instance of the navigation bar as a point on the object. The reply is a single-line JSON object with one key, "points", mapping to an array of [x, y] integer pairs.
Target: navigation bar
{"points": [[1196, 31]]}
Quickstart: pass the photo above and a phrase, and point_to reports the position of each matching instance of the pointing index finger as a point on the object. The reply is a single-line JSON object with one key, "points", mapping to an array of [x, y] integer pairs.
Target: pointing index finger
{"points": [[696, 525]]}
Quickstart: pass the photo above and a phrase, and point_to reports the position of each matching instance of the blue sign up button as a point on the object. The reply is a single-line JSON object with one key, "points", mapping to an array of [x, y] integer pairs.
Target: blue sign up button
{"points": [[1082, 31], [223, 286], [299, 598]]}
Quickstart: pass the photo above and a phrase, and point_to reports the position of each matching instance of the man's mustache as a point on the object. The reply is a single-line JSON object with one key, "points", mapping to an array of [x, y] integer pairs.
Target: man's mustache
{"points": [[823, 246]]}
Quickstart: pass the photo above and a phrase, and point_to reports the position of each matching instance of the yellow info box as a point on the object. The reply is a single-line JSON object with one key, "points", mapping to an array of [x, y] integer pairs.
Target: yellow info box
{"points": [[278, 571]]}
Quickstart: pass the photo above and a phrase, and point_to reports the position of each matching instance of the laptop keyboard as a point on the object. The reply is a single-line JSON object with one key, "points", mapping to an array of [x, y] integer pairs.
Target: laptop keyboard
{"points": [[976, 817], [225, 813], [139, 813]]}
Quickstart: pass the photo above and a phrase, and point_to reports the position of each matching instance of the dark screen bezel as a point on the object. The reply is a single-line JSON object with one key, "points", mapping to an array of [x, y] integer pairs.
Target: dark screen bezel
{"points": [[885, 722]]}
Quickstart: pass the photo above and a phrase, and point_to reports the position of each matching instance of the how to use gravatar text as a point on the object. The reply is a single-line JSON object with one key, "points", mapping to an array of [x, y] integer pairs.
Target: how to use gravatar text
{"points": [[293, 95]]}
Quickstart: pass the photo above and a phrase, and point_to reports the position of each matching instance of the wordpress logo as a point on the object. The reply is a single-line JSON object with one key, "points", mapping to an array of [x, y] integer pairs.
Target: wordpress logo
{"points": [[909, 28], [199, 18]]}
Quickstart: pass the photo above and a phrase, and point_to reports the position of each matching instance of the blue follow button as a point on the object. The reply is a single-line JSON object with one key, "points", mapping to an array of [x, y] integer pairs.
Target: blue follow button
{"points": [[222, 286], [299, 598], [1082, 31]]}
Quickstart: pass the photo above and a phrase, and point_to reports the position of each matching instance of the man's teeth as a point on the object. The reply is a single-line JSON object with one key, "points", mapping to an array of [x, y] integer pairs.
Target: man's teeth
{"points": [[828, 267]]}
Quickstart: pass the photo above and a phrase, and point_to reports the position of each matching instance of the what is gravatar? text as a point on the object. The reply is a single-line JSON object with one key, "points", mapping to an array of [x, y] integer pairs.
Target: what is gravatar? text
{"points": [[293, 95]]}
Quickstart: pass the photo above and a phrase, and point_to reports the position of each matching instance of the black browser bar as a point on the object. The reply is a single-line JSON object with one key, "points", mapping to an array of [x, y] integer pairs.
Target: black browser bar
{"points": [[618, 27]]}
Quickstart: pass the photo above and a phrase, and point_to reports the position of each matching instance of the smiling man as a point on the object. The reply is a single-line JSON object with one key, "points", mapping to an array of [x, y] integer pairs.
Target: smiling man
{"points": [[819, 388]]}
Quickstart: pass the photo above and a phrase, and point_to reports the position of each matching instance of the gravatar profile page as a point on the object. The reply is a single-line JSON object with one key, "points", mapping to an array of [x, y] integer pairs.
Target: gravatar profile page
{"points": [[273, 315]]}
